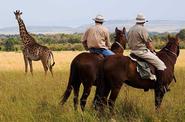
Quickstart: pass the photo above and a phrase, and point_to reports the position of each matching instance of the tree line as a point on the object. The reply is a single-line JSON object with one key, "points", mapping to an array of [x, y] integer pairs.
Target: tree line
{"points": [[65, 42]]}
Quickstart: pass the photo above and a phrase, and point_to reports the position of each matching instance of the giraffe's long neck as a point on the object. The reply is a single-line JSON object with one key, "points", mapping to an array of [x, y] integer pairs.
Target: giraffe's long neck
{"points": [[26, 38]]}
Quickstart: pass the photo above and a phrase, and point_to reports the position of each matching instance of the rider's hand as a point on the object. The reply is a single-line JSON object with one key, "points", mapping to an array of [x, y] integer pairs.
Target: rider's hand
{"points": [[85, 45]]}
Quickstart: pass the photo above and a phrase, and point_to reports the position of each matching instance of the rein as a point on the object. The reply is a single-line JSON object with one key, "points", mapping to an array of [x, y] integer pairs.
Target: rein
{"points": [[176, 57], [119, 45], [171, 52]]}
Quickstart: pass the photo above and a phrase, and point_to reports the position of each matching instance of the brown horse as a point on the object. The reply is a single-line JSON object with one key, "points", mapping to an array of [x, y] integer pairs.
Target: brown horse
{"points": [[85, 70], [119, 69]]}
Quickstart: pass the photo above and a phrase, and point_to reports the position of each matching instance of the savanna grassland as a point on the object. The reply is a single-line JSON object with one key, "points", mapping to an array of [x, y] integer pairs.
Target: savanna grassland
{"points": [[26, 98]]}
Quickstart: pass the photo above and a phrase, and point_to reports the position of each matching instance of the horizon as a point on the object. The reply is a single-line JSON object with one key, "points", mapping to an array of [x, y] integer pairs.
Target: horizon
{"points": [[76, 13], [131, 20]]}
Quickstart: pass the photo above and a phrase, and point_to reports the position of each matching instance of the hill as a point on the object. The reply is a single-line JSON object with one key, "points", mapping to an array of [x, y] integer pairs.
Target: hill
{"points": [[153, 26]]}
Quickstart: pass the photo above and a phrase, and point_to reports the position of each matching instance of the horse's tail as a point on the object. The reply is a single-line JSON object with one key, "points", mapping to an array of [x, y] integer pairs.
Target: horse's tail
{"points": [[72, 77]]}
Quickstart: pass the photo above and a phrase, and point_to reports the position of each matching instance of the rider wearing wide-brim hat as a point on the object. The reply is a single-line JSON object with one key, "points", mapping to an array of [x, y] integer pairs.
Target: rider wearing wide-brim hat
{"points": [[99, 18], [141, 45], [96, 38], [140, 18]]}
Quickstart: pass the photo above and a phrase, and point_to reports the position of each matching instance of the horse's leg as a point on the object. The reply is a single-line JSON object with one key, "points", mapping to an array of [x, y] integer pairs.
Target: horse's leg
{"points": [[159, 89], [114, 93], [76, 94], [158, 98], [105, 95], [86, 92], [96, 97], [103, 98], [31, 67]]}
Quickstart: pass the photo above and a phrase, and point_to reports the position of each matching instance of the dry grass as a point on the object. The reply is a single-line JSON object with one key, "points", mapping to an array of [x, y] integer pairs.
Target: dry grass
{"points": [[26, 98]]}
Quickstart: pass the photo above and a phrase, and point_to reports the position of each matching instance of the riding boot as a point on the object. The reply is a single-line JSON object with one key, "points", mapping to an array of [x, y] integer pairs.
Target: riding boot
{"points": [[160, 86]]}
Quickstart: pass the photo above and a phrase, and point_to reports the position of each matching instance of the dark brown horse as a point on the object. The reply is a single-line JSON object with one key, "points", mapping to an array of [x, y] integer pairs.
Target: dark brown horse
{"points": [[85, 70], [119, 69]]}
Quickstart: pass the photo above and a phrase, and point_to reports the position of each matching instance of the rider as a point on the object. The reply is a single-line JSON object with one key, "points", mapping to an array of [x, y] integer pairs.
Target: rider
{"points": [[141, 45], [96, 38]]}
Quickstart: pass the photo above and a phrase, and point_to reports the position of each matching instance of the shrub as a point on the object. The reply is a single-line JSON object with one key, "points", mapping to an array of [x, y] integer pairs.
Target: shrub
{"points": [[9, 44]]}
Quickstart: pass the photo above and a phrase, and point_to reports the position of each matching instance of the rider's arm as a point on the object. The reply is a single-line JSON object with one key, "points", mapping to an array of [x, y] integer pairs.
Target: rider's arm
{"points": [[148, 41], [85, 45], [107, 40], [84, 40], [149, 45]]}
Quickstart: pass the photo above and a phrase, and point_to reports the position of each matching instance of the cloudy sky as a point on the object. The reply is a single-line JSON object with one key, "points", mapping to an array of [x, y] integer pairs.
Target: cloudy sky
{"points": [[78, 12]]}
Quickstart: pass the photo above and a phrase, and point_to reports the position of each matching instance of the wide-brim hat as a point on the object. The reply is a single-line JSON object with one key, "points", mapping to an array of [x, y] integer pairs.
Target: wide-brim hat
{"points": [[140, 18], [99, 18]]}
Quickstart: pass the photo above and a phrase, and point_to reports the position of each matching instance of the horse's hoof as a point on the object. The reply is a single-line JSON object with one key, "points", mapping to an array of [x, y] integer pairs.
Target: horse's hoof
{"points": [[168, 89], [145, 90]]}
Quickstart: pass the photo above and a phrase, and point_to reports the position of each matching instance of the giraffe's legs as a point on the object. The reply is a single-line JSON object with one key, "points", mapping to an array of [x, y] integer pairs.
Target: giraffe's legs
{"points": [[31, 67], [44, 63], [49, 64], [26, 63], [51, 70]]}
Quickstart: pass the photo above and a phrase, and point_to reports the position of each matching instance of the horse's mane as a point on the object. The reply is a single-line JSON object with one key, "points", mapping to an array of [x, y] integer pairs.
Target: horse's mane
{"points": [[167, 55]]}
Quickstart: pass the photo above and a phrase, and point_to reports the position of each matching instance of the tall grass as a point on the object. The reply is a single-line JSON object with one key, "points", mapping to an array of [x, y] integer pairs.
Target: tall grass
{"points": [[26, 98]]}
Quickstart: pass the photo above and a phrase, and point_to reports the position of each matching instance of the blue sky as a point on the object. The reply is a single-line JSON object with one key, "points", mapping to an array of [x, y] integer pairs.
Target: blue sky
{"points": [[78, 12]]}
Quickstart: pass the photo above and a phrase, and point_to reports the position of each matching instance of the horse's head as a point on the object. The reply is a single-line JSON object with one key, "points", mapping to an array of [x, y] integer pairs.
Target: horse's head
{"points": [[120, 41], [173, 45], [121, 37]]}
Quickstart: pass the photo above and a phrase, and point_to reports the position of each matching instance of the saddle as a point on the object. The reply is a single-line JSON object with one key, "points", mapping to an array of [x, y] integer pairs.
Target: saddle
{"points": [[145, 70], [99, 54]]}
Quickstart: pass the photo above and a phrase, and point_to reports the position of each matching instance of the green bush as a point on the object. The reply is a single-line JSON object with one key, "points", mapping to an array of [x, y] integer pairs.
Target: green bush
{"points": [[66, 47], [9, 44], [78, 46], [182, 34], [58, 42]]}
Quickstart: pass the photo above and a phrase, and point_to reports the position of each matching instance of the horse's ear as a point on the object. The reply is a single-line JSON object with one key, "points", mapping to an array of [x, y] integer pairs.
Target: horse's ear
{"points": [[177, 36], [124, 30], [116, 29]]}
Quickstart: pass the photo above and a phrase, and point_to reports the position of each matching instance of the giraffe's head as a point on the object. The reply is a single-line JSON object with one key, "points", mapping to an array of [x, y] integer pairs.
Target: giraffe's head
{"points": [[18, 14]]}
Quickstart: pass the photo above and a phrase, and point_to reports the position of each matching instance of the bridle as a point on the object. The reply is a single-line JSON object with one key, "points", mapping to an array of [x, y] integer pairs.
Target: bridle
{"points": [[170, 52], [119, 45]]}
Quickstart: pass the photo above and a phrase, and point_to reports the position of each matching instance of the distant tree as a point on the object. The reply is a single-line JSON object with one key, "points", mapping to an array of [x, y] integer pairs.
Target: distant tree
{"points": [[182, 34], [9, 44]]}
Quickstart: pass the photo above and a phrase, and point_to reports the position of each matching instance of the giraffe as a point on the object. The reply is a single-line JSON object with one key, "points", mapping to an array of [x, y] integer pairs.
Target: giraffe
{"points": [[32, 51]]}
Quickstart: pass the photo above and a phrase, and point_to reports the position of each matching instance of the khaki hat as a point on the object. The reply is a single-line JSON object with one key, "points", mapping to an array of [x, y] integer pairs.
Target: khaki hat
{"points": [[140, 18], [99, 18]]}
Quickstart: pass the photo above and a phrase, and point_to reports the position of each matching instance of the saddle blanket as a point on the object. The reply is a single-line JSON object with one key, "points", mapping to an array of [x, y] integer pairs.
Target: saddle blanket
{"points": [[143, 69]]}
